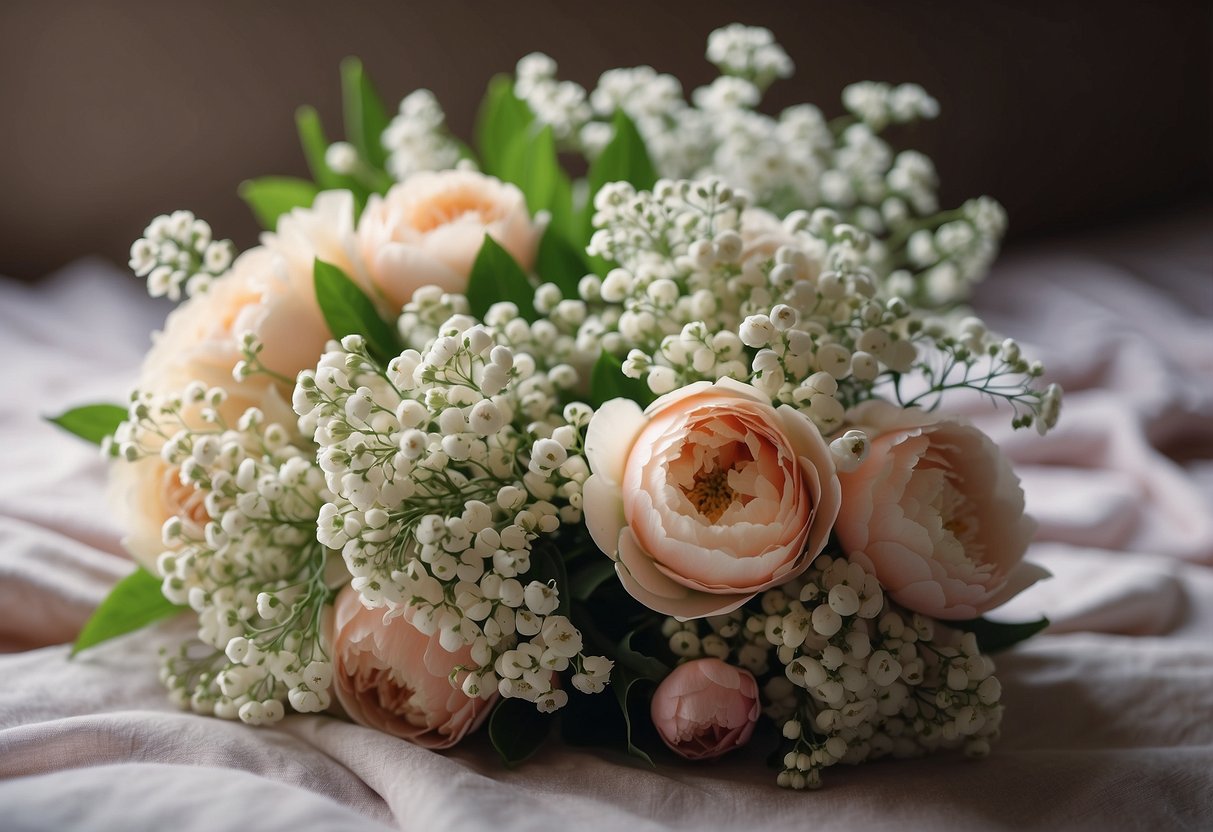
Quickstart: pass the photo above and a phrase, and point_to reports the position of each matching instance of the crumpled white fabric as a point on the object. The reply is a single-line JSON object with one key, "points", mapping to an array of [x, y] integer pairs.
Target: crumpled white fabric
{"points": [[1110, 713]]}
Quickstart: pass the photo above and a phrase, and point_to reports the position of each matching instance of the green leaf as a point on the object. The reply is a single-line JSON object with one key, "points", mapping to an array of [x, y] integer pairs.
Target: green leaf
{"points": [[531, 164], [496, 276], [93, 422], [994, 636], [272, 196], [348, 311], [315, 144], [517, 730], [584, 580], [502, 116], [607, 382], [645, 667], [624, 159], [624, 683], [559, 262], [365, 116], [133, 603]]}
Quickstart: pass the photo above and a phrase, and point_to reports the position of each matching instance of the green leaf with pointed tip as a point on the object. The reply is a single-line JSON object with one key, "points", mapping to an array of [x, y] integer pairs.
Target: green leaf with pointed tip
{"points": [[995, 636], [531, 163], [624, 683], [646, 667], [133, 603], [348, 311], [272, 196], [607, 382], [92, 422], [496, 277], [315, 145], [502, 116], [517, 730], [624, 159], [559, 262], [365, 116]]}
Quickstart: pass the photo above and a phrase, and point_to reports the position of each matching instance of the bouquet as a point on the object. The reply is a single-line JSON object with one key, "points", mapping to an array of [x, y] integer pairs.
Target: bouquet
{"points": [[649, 456]]}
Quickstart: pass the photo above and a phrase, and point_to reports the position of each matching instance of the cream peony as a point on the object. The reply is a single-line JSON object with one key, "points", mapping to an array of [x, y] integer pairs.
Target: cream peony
{"points": [[201, 342], [145, 494], [325, 231], [708, 497], [391, 677], [706, 708], [936, 513], [428, 229]]}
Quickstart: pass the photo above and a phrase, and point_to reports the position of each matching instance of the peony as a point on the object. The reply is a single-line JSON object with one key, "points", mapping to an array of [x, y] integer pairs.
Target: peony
{"points": [[428, 229], [325, 231], [201, 337], [708, 497], [145, 494], [201, 342], [936, 513], [390, 676], [706, 708]]}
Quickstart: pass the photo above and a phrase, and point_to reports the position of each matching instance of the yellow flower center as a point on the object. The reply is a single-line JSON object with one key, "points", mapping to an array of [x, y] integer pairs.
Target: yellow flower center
{"points": [[711, 495]]}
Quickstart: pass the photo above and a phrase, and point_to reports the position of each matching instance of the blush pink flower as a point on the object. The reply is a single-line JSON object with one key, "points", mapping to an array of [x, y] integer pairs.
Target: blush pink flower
{"points": [[708, 497], [391, 677], [706, 708], [936, 513], [428, 229]]}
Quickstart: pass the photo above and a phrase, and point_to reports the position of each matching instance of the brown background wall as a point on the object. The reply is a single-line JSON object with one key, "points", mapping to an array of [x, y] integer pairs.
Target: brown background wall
{"points": [[1069, 112]]}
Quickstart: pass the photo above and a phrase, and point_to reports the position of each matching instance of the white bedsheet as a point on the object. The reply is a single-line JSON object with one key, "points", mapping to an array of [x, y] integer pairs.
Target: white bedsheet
{"points": [[1110, 714]]}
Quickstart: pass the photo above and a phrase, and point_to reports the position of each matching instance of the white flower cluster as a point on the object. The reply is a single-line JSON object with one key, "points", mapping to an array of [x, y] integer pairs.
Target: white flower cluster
{"points": [[795, 160], [417, 140], [856, 678], [179, 255], [877, 104], [706, 288], [943, 263], [453, 468], [749, 52], [241, 552], [561, 104]]}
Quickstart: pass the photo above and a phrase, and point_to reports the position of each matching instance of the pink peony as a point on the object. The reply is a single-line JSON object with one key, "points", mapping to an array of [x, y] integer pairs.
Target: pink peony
{"points": [[392, 677], [428, 229], [708, 497], [936, 512], [706, 708]]}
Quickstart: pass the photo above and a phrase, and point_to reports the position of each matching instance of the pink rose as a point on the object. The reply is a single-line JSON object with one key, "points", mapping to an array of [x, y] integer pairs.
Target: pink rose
{"points": [[708, 497], [706, 708], [936, 513], [392, 677], [428, 229]]}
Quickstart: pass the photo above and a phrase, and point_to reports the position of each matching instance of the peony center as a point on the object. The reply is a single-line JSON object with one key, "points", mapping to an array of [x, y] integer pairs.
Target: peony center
{"points": [[960, 521], [712, 495], [390, 695], [449, 207]]}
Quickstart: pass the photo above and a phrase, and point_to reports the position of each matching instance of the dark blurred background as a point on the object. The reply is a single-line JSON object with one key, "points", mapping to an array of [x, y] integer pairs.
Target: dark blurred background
{"points": [[1071, 113]]}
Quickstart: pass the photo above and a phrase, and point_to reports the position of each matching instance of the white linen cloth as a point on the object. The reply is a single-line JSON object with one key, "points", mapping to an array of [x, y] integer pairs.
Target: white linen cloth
{"points": [[1109, 715]]}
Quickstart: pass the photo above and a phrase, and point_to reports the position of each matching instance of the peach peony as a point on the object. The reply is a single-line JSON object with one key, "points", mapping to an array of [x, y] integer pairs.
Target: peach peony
{"points": [[706, 708], [428, 229], [391, 677], [201, 342], [936, 513], [708, 497]]}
